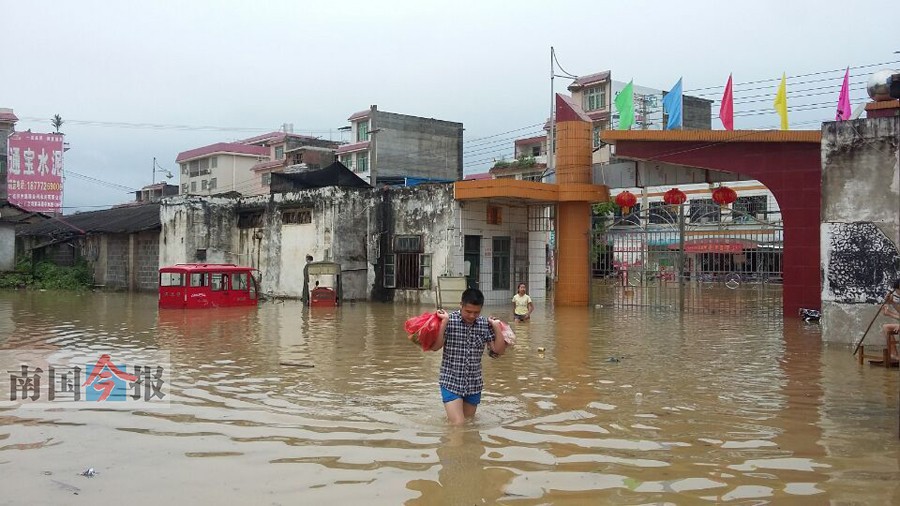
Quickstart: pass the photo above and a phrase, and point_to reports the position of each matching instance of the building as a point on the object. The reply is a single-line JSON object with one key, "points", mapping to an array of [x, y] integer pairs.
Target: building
{"points": [[221, 167], [595, 93], [391, 148], [385, 240], [246, 166], [120, 244], [155, 192]]}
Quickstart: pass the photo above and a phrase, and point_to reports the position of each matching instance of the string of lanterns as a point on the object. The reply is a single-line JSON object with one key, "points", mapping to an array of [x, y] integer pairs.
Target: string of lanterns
{"points": [[722, 195]]}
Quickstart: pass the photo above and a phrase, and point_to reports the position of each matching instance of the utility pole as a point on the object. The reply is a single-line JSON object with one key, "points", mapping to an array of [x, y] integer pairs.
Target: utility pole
{"points": [[550, 135]]}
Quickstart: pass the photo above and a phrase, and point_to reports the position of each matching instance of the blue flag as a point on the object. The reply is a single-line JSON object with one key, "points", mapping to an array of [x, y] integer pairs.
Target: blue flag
{"points": [[672, 104]]}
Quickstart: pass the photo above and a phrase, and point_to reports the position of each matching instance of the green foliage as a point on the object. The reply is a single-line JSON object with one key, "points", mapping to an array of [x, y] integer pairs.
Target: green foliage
{"points": [[49, 276], [525, 162]]}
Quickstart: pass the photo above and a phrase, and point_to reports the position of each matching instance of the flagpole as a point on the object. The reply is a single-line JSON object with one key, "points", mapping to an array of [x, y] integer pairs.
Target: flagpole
{"points": [[550, 135]]}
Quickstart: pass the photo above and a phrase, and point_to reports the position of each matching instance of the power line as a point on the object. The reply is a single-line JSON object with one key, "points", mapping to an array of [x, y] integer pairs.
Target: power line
{"points": [[869, 65]]}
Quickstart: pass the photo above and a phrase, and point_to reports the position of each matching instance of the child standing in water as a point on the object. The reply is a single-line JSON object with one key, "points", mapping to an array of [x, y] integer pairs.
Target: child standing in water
{"points": [[522, 304], [463, 336]]}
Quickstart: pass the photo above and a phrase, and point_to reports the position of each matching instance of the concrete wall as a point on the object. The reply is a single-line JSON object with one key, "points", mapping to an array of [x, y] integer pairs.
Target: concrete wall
{"points": [[7, 247], [354, 227], [860, 224], [410, 146]]}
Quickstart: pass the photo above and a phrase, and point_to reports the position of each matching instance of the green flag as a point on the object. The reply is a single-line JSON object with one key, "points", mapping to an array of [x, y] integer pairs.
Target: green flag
{"points": [[625, 106]]}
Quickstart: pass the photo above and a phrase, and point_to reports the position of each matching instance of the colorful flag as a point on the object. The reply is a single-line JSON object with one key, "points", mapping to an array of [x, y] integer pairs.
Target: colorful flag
{"points": [[843, 106], [672, 104], [625, 106], [781, 102], [726, 110]]}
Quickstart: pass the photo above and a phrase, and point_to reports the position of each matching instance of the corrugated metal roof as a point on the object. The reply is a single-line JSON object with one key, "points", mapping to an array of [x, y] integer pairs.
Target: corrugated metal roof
{"points": [[589, 80], [118, 220], [612, 136]]}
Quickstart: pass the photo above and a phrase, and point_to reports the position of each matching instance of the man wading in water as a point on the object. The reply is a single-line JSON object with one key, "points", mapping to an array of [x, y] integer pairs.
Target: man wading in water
{"points": [[463, 335]]}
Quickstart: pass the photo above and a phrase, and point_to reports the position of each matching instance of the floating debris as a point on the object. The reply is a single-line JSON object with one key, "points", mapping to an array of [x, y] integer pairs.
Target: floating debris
{"points": [[89, 473], [295, 364]]}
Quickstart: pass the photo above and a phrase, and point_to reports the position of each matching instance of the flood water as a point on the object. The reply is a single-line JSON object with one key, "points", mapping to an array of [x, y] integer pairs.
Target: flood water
{"points": [[283, 405]]}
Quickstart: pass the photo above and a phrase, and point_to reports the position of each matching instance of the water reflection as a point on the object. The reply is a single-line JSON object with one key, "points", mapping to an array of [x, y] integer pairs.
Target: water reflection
{"points": [[626, 405]]}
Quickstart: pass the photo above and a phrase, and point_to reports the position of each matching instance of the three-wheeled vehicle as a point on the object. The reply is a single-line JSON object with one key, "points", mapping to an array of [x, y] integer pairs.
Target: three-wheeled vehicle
{"points": [[191, 286], [324, 279]]}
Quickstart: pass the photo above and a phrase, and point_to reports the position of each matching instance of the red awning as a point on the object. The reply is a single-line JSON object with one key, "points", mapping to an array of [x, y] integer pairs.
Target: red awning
{"points": [[716, 245]]}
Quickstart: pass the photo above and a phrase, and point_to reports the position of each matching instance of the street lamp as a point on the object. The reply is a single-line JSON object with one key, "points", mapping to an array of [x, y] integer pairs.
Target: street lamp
{"points": [[157, 168]]}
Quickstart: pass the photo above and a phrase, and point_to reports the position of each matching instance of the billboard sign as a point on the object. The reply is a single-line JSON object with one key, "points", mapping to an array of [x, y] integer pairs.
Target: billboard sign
{"points": [[35, 170]]}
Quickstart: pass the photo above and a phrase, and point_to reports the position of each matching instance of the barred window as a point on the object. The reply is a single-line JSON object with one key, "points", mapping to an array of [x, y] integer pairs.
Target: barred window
{"points": [[296, 216]]}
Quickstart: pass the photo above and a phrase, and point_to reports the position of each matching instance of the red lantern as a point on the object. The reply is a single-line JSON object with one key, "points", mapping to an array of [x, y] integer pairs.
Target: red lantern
{"points": [[724, 195], [674, 197], [626, 200]]}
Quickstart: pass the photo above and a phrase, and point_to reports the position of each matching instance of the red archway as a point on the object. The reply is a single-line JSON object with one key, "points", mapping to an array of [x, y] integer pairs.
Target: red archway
{"points": [[787, 162]]}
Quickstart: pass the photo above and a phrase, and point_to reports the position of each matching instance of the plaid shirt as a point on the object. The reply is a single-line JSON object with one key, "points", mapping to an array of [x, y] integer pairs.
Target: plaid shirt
{"points": [[463, 348]]}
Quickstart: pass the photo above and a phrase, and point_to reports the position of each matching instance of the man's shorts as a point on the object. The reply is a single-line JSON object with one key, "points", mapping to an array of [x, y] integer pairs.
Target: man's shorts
{"points": [[448, 396]]}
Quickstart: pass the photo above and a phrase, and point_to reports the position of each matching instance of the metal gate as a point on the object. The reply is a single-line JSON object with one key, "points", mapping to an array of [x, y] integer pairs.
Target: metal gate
{"points": [[692, 257]]}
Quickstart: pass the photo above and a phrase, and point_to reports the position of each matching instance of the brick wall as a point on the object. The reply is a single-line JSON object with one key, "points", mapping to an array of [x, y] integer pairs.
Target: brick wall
{"points": [[146, 260], [117, 261]]}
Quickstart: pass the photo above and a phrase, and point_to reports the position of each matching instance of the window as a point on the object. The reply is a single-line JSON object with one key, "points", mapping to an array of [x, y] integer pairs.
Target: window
{"points": [[184, 188], [748, 208], [296, 216], [407, 268], [362, 162], [279, 152], [532, 176], [390, 271], [500, 277], [595, 98], [198, 279], [204, 184], [425, 272], [239, 281], [212, 184], [266, 179], [595, 135], [347, 160], [704, 211], [218, 281], [171, 279], [535, 151], [184, 169], [662, 213], [194, 168], [632, 218], [250, 220], [204, 166], [193, 186], [362, 131], [494, 215], [407, 244], [213, 162]]}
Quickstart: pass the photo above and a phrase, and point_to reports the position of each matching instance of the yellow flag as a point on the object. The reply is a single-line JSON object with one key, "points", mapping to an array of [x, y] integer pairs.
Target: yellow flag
{"points": [[781, 102]]}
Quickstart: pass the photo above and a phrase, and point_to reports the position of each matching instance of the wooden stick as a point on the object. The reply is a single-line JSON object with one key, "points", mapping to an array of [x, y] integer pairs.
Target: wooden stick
{"points": [[863, 338]]}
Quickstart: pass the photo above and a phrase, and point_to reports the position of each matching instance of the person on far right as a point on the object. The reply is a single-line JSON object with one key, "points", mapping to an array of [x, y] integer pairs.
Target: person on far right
{"points": [[892, 310], [522, 304]]}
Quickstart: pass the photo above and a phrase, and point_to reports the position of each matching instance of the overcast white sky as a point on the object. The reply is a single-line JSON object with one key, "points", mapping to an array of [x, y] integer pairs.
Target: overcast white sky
{"points": [[247, 67]]}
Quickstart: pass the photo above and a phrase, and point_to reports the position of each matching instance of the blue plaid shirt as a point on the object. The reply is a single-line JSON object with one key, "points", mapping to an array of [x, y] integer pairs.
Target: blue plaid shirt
{"points": [[463, 348]]}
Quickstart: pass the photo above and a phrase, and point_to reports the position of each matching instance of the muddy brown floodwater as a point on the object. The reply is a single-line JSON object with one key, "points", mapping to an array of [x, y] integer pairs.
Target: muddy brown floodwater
{"points": [[692, 408]]}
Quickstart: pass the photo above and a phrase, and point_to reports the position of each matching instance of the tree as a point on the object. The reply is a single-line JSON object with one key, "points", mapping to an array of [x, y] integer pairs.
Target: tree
{"points": [[57, 122]]}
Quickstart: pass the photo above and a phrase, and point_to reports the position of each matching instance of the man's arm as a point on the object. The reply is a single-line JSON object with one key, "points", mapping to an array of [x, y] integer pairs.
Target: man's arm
{"points": [[439, 342]]}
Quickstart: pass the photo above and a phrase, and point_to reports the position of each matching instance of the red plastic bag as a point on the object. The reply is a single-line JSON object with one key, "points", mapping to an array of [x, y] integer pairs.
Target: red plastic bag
{"points": [[423, 329]]}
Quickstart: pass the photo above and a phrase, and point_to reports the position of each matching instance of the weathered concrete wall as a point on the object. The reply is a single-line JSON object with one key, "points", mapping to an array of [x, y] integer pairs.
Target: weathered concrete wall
{"points": [[410, 146], [860, 229], [354, 227], [7, 249]]}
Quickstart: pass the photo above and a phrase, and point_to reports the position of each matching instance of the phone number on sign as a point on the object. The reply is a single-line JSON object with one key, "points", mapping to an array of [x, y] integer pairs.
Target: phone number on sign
{"points": [[35, 185]]}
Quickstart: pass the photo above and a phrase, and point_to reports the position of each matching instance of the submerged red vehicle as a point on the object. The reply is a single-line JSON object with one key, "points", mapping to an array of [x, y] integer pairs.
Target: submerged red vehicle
{"points": [[197, 286]]}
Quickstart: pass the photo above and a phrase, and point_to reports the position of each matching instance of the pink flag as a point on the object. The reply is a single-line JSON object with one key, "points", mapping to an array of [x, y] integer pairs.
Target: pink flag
{"points": [[726, 111], [843, 106]]}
